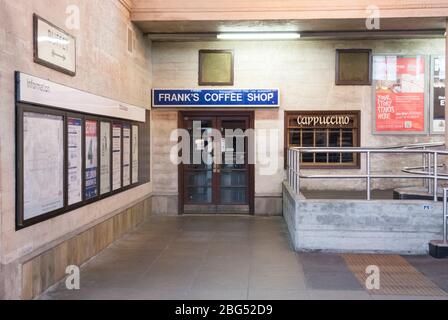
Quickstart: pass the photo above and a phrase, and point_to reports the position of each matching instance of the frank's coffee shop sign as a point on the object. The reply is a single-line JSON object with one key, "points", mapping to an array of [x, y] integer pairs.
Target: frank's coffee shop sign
{"points": [[185, 98]]}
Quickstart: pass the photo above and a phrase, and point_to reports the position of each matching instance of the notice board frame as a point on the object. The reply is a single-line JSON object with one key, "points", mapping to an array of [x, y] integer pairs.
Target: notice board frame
{"points": [[431, 94], [426, 130], [22, 108]]}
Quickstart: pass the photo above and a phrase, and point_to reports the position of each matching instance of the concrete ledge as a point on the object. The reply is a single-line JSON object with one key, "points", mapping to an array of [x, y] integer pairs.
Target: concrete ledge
{"points": [[384, 226]]}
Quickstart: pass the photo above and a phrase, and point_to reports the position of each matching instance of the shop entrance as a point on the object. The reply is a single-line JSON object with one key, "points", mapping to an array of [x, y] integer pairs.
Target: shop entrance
{"points": [[218, 179]]}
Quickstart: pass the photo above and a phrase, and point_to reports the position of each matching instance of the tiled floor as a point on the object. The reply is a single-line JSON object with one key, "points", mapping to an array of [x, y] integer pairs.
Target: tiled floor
{"points": [[217, 257]]}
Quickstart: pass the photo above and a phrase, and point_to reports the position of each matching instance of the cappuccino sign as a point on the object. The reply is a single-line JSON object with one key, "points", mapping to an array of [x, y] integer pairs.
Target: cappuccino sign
{"points": [[53, 47], [323, 120]]}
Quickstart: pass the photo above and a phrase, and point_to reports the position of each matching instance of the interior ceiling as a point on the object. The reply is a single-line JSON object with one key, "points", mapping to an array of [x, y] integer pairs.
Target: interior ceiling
{"points": [[200, 30]]}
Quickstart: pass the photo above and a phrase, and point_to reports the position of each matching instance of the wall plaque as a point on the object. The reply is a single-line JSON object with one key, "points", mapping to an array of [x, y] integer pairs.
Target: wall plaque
{"points": [[53, 47]]}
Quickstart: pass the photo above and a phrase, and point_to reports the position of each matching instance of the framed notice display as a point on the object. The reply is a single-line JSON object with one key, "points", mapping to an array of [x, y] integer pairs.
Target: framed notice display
{"points": [[126, 155], [41, 176], [437, 101], [116, 157], [105, 157], [399, 94], [91, 159], [53, 47], [74, 140], [134, 154]]}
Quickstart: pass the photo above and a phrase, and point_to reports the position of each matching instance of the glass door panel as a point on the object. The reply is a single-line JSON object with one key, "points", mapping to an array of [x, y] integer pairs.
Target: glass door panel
{"points": [[217, 177], [198, 173]]}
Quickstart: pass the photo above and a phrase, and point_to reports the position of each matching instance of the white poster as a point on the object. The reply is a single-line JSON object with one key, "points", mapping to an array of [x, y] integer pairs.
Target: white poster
{"points": [[134, 154], [385, 68], [105, 157], [116, 157], [43, 164], [74, 132], [126, 155]]}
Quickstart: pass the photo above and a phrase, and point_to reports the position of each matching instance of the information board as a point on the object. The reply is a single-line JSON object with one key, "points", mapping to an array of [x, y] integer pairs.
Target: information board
{"points": [[126, 155], [135, 157], [74, 133], [116, 157], [438, 94], [43, 164], [105, 153], [399, 94], [91, 160]]}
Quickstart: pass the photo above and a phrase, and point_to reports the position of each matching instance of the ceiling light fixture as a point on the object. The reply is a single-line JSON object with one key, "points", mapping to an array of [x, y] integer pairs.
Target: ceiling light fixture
{"points": [[259, 36]]}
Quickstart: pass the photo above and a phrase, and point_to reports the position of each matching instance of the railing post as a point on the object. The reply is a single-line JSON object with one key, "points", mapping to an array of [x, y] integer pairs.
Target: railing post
{"points": [[424, 155], [369, 196], [435, 175], [295, 170], [445, 215], [430, 173], [298, 172]]}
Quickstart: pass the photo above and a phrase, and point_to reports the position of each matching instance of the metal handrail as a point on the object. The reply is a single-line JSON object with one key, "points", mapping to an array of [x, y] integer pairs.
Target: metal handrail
{"points": [[445, 215], [428, 156]]}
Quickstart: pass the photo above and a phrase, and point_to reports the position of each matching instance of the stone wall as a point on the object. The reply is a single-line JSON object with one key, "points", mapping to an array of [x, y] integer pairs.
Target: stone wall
{"points": [[304, 71], [41, 271], [104, 67]]}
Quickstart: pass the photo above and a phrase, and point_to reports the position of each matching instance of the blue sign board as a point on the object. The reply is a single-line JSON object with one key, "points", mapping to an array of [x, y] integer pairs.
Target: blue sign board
{"points": [[166, 98]]}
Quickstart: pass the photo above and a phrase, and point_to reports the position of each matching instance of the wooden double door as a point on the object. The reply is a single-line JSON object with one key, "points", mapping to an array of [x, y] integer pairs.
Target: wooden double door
{"points": [[217, 178]]}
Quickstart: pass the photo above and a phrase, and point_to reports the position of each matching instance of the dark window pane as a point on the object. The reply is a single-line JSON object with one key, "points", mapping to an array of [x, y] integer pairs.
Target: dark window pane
{"points": [[321, 142], [199, 195], [307, 138], [347, 157], [335, 138], [334, 157], [308, 141], [233, 195], [199, 179], [334, 142], [294, 137], [347, 141], [347, 138], [233, 179]]}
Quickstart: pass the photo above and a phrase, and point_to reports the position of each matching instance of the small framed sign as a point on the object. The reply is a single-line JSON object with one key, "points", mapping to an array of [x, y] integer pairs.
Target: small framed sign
{"points": [[53, 47], [353, 67], [216, 68]]}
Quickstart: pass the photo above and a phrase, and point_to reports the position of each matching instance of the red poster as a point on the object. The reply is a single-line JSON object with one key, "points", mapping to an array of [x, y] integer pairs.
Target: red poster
{"points": [[400, 95]]}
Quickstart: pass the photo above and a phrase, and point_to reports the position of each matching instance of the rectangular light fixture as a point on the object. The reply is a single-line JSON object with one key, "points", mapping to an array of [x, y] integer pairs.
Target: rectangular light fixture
{"points": [[259, 36]]}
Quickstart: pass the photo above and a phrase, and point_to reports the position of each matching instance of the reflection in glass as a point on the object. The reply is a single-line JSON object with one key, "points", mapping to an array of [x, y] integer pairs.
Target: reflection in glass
{"points": [[199, 195], [307, 141], [233, 195]]}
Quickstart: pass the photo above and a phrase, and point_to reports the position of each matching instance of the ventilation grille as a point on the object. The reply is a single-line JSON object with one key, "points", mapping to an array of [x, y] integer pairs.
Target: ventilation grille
{"points": [[130, 40]]}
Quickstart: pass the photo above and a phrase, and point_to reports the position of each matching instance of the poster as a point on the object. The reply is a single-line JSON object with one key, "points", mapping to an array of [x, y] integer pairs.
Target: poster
{"points": [[43, 164], [105, 154], [91, 141], [126, 155], [74, 132], [438, 94], [116, 157], [399, 93], [134, 154]]}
